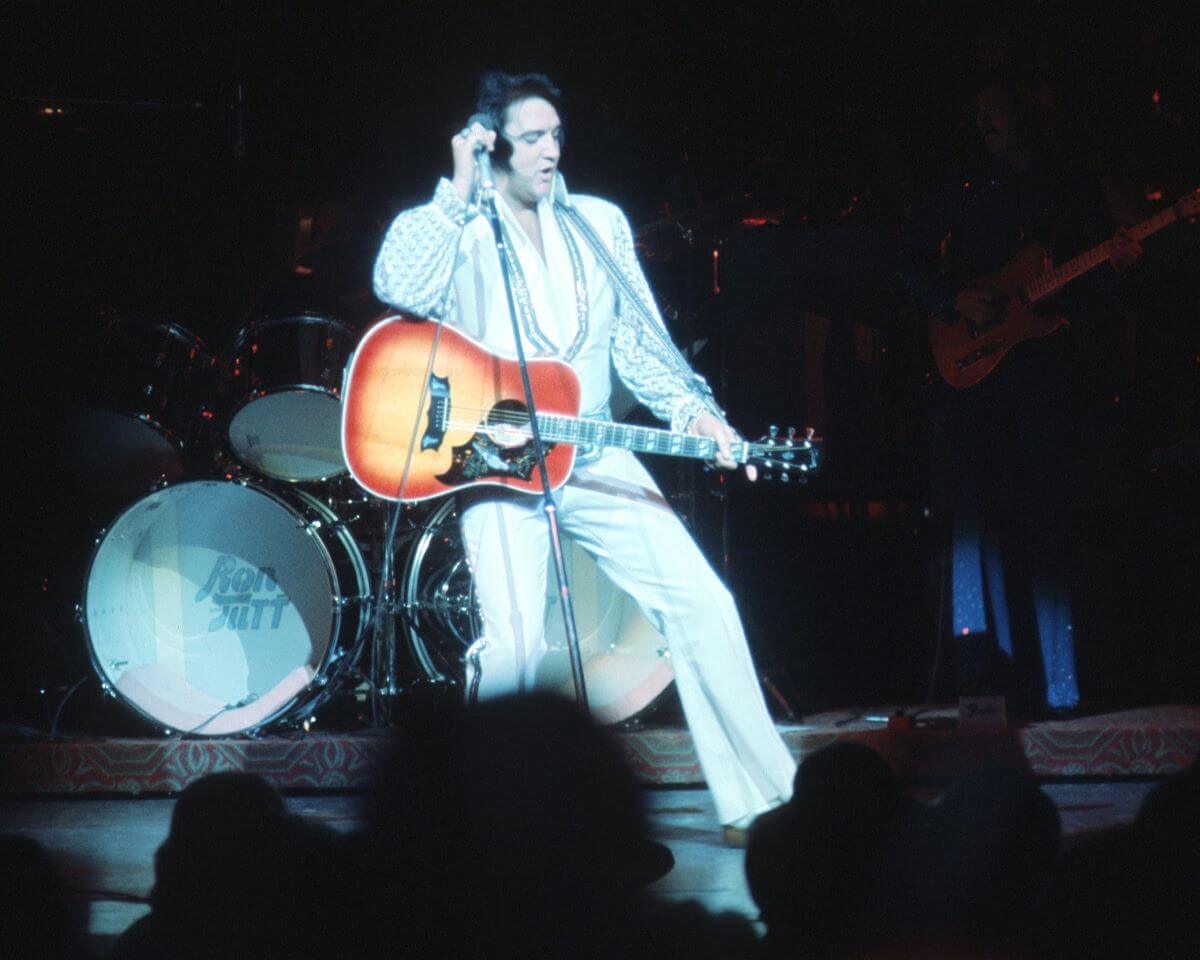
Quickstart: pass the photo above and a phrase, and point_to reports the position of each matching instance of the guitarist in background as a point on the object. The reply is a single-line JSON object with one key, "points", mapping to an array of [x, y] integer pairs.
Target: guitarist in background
{"points": [[440, 259], [1005, 460]]}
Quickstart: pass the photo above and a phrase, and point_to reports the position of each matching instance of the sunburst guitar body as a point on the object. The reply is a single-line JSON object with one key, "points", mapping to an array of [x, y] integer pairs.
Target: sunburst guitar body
{"points": [[413, 428]]}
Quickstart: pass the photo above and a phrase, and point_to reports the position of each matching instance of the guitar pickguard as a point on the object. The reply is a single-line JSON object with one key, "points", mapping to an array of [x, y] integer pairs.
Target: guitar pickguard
{"points": [[481, 458]]}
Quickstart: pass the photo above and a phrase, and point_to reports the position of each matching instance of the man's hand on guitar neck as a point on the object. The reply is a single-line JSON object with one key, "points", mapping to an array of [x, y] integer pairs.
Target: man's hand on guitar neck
{"points": [[1123, 250], [980, 305], [708, 425]]}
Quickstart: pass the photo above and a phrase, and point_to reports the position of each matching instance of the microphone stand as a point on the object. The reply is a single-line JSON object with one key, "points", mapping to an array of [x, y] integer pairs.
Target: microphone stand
{"points": [[487, 202]]}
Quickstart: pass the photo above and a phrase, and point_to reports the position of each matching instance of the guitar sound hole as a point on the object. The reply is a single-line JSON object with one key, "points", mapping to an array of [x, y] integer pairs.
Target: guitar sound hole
{"points": [[508, 424]]}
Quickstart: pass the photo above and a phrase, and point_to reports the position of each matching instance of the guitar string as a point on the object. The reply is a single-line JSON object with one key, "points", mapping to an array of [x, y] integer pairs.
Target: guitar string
{"points": [[523, 424], [496, 418], [752, 449], [500, 417]]}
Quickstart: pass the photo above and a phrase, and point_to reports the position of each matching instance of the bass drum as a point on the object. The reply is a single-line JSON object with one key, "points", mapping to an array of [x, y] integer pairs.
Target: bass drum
{"points": [[216, 607], [626, 663], [287, 411]]}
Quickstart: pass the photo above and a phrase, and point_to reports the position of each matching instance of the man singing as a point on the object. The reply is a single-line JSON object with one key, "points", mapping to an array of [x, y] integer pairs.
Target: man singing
{"points": [[440, 259]]}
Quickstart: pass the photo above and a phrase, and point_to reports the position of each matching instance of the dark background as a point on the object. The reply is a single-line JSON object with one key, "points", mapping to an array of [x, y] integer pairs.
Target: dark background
{"points": [[172, 161]]}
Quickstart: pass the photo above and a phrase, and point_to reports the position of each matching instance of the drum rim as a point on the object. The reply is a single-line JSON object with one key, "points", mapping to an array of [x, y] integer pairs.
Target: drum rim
{"points": [[338, 604], [412, 568], [158, 426], [177, 330], [258, 394], [298, 319]]}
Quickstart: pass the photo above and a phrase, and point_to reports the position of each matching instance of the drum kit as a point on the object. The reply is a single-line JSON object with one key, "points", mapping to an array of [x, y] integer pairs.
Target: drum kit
{"points": [[238, 588]]}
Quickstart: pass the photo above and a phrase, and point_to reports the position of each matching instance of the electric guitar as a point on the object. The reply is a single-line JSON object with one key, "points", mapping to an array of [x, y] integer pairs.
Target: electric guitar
{"points": [[412, 432], [965, 352]]}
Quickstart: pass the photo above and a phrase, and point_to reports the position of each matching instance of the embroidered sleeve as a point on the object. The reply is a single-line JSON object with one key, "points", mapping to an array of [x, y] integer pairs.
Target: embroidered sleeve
{"points": [[646, 359], [413, 268]]}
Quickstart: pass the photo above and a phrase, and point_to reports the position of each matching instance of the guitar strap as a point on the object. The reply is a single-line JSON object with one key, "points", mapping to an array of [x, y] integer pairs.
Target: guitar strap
{"points": [[624, 284]]}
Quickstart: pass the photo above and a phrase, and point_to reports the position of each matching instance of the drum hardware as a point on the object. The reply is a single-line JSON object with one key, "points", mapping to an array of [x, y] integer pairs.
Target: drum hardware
{"points": [[319, 524], [62, 703]]}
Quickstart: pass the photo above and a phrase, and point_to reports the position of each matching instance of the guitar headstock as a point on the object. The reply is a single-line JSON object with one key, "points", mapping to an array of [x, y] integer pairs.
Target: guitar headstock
{"points": [[1188, 205], [785, 456]]}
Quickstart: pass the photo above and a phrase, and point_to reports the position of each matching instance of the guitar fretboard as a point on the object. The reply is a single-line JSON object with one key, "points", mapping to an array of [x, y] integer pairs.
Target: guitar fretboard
{"points": [[595, 433], [1053, 280]]}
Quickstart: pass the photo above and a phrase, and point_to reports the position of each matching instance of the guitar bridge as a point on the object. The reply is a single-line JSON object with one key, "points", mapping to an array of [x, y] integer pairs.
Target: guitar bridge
{"points": [[976, 355], [439, 412], [481, 458]]}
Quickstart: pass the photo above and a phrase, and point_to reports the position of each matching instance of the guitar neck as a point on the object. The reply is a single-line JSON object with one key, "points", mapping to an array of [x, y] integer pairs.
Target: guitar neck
{"points": [[597, 433], [1054, 280]]}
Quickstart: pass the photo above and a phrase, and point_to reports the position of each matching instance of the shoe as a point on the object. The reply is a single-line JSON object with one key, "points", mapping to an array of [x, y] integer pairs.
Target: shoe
{"points": [[734, 836]]}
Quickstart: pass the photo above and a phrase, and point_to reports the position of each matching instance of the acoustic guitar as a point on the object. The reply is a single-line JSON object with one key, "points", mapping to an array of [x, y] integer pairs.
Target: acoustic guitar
{"points": [[412, 431]]}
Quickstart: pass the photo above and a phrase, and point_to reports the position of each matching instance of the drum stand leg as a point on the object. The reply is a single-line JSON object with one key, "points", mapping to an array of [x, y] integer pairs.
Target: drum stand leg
{"points": [[383, 685]]}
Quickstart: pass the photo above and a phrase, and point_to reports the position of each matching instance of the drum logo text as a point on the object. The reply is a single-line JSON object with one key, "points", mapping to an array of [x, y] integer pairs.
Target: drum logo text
{"points": [[236, 593]]}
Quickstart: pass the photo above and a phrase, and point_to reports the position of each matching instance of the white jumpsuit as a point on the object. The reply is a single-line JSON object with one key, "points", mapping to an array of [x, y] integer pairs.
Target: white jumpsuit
{"points": [[569, 308]]}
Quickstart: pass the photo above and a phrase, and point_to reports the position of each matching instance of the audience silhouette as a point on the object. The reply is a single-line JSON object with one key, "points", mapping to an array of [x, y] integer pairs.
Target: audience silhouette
{"points": [[851, 868], [37, 920], [516, 829], [239, 877], [811, 862]]}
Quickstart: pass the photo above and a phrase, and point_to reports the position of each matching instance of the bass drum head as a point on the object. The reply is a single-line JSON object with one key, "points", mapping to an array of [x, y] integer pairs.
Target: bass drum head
{"points": [[210, 607], [625, 661], [290, 435]]}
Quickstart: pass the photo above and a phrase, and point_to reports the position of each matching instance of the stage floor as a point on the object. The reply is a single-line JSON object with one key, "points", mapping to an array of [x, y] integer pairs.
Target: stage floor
{"points": [[106, 845], [1144, 742]]}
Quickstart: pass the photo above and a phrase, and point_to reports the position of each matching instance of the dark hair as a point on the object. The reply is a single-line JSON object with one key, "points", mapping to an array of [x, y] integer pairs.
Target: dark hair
{"points": [[499, 91], [1031, 102]]}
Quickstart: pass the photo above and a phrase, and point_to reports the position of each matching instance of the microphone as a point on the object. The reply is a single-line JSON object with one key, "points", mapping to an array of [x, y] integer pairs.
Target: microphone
{"points": [[483, 160]]}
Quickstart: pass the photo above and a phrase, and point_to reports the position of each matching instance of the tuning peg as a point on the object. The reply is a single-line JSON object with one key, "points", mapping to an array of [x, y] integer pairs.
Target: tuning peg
{"points": [[791, 435], [773, 431]]}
